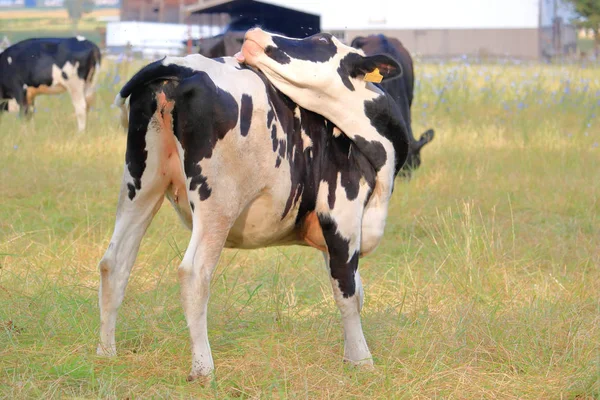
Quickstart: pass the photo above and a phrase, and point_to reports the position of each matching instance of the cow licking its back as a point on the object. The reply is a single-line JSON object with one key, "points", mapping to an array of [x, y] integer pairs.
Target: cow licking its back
{"points": [[50, 66], [244, 167]]}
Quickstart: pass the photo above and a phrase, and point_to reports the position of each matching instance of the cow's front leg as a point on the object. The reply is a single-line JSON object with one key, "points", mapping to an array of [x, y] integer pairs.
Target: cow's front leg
{"points": [[76, 90], [343, 246], [209, 233]]}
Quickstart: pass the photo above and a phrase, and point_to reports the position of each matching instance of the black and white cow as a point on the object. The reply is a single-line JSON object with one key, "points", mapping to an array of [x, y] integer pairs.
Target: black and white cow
{"points": [[49, 66], [401, 90], [245, 167]]}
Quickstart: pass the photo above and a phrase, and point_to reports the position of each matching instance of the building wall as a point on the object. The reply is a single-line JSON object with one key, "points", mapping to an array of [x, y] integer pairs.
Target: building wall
{"points": [[517, 43], [165, 11]]}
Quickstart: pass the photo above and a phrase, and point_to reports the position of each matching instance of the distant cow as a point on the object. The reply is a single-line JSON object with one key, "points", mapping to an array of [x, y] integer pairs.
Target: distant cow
{"points": [[225, 44], [401, 89], [50, 66], [245, 167]]}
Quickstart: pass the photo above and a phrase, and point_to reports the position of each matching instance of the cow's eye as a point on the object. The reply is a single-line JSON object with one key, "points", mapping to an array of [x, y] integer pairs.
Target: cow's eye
{"points": [[323, 39]]}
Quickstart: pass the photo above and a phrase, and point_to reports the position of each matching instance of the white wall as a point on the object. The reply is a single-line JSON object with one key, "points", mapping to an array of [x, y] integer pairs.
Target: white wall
{"points": [[152, 37], [419, 14]]}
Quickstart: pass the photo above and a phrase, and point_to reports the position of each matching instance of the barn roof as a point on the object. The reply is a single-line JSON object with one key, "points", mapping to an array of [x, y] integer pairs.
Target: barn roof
{"points": [[244, 6], [273, 15]]}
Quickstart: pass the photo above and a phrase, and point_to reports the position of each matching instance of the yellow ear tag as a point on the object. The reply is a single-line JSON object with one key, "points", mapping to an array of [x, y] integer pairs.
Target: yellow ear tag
{"points": [[374, 76]]}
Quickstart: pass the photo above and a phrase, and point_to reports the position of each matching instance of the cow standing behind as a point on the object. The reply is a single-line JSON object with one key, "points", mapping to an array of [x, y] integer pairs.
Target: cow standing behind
{"points": [[50, 66], [401, 89], [244, 167]]}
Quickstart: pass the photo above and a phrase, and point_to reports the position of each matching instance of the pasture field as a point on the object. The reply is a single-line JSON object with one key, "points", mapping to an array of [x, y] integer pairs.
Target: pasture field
{"points": [[486, 285]]}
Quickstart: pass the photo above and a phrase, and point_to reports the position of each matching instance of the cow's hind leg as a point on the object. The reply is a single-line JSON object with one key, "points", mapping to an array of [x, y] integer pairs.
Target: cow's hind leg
{"points": [[133, 218], [342, 236], [209, 232], [145, 180]]}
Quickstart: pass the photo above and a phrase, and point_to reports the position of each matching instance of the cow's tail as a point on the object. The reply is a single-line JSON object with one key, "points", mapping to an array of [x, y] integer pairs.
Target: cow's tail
{"points": [[94, 63], [92, 77], [152, 72]]}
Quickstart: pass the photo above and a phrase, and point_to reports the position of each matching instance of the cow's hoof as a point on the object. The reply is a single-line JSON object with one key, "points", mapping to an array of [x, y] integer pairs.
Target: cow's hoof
{"points": [[365, 363], [106, 351], [203, 380]]}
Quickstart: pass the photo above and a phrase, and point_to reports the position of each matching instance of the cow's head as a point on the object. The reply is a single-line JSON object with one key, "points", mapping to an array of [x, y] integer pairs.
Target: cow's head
{"points": [[313, 70]]}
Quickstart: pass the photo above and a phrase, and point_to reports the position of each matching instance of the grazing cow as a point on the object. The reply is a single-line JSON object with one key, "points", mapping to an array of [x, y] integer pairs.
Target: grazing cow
{"points": [[50, 66], [401, 89], [245, 167]]}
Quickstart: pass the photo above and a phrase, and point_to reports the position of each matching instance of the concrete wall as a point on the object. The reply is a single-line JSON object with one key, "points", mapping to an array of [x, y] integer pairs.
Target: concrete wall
{"points": [[517, 43]]}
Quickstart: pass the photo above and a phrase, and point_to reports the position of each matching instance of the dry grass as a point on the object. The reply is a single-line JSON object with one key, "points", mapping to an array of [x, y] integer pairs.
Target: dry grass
{"points": [[487, 284]]}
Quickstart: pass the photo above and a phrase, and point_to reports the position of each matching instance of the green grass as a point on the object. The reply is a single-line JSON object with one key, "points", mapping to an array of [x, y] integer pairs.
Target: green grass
{"points": [[487, 284]]}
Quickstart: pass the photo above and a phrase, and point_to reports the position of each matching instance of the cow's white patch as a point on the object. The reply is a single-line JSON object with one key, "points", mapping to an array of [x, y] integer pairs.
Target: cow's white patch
{"points": [[347, 213], [76, 87], [80, 38], [13, 106], [336, 131], [9, 60]]}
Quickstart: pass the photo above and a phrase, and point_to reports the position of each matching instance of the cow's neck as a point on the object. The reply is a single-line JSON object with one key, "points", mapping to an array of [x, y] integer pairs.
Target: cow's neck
{"points": [[348, 114]]}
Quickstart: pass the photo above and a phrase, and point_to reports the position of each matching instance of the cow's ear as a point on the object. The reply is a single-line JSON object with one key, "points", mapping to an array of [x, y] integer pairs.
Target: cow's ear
{"points": [[380, 64]]}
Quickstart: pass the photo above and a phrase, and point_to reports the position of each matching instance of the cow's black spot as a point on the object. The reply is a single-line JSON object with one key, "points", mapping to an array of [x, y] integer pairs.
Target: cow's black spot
{"points": [[205, 114], [64, 75], [315, 48], [277, 54], [204, 191], [219, 60], [345, 78], [340, 268], [386, 118], [192, 206], [142, 107], [245, 114], [270, 116], [374, 151], [131, 191], [274, 137], [347, 66], [346, 69]]}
